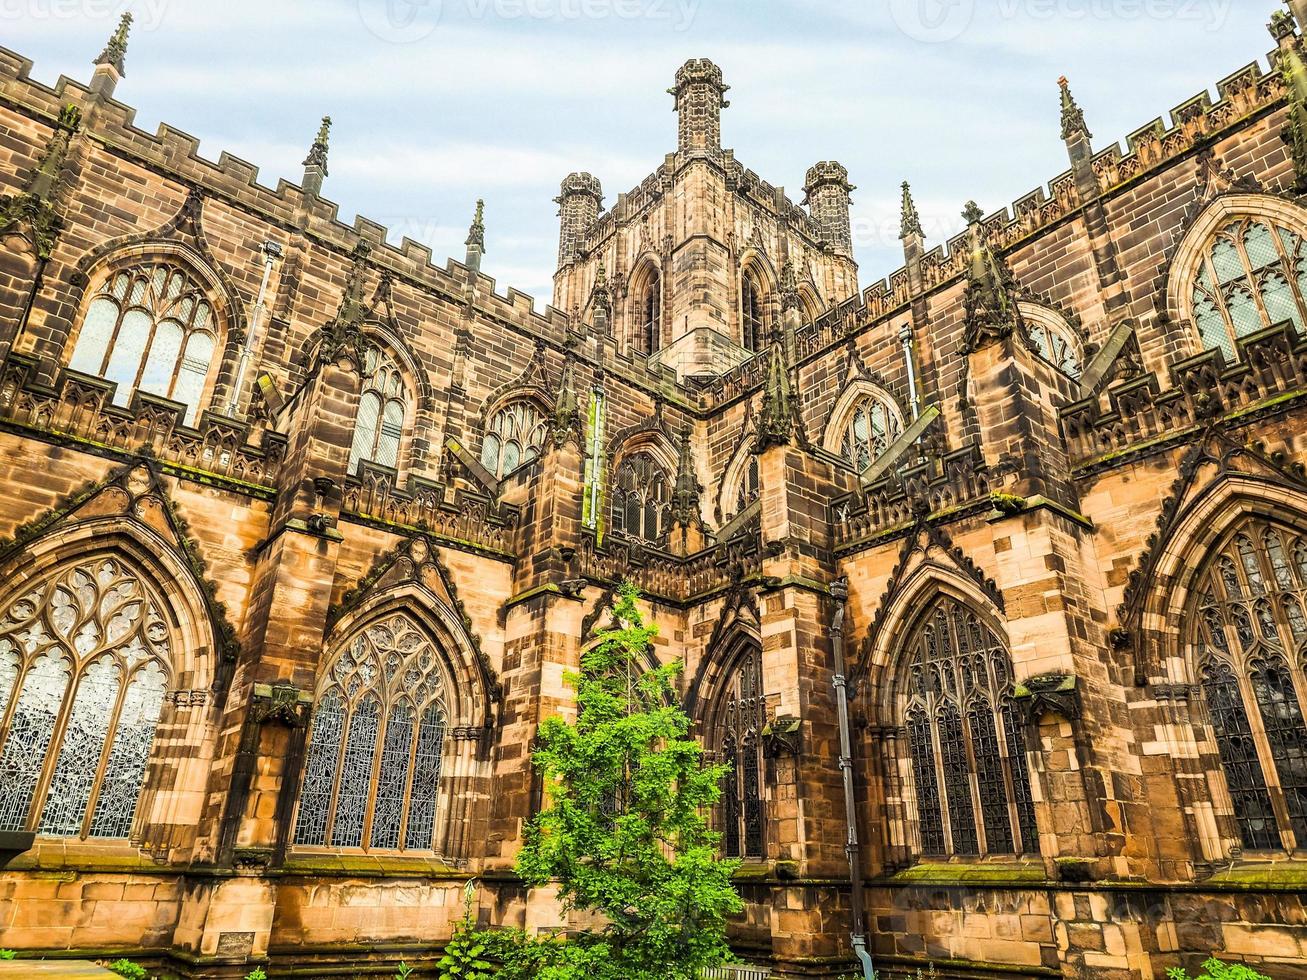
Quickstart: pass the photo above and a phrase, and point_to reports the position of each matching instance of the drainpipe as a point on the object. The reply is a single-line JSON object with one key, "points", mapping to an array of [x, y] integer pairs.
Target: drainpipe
{"points": [[271, 252], [839, 591], [905, 338]]}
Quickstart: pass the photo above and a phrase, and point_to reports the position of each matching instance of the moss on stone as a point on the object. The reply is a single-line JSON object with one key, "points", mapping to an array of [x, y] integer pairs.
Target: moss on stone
{"points": [[988, 874]]}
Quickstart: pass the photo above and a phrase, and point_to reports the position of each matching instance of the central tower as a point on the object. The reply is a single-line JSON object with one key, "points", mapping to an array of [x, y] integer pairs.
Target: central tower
{"points": [[692, 259]]}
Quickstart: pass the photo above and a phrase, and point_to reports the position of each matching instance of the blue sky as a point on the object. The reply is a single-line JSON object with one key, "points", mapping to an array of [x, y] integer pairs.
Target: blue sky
{"points": [[439, 102]]}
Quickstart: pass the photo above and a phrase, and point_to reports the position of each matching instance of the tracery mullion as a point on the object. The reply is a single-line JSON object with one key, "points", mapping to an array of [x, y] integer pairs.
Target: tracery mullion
{"points": [[55, 745], [346, 719], [1262, 743], [110, 731], [406, 802], [1218, 300], [1250, 274]]}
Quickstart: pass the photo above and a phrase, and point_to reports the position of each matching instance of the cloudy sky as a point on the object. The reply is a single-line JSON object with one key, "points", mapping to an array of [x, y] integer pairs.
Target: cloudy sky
{"points": [[439, 102]]}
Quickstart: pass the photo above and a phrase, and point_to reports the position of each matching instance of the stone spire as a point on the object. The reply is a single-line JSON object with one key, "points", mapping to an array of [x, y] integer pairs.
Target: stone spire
{"points": [[36, 211], [700, 98], [686, 494], [1294, 72], [775, 425], [315, 164], [911, 222], [990, 302], [476, 238], [1073, 117], [788, 287], [109, 66]]}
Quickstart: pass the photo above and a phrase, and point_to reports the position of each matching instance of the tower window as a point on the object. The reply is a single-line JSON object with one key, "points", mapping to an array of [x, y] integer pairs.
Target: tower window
{"points": [[753, 332], [649, 328]]}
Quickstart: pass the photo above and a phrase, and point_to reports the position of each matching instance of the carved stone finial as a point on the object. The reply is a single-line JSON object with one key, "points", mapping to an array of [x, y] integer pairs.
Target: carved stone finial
{"points": [[776, 417], [476, 235], [115, 51], [972, 214], [911, 224], [1073, 117], [990, 301], [318, 151], [345, 332], [37, 211], [788, 287], [565, 423], [686, 494]]}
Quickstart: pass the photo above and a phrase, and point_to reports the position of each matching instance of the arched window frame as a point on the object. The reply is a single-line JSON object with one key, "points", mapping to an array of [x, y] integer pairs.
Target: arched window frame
{"points": [[385, 412], [738, 720], [754, 325], [514, 436], [153, 322], [378, 742], [1248, 633], [863, 424], [86, 660], [1198, 294], [646, 322], [641, 496], [971, 786], [1053, 339]]}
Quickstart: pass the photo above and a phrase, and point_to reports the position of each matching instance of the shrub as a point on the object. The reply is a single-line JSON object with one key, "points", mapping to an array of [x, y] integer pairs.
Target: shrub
{"points": [[7, 954], [256, 974], [404, 972], [126, 968], [1214, 969]]}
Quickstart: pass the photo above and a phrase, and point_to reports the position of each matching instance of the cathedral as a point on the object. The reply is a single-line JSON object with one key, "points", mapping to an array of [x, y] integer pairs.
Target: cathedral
{"points": [[302, 532]]}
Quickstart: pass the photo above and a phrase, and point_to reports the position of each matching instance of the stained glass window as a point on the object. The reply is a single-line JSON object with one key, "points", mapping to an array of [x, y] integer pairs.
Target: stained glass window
{"points": [[641, 498], [743, 718], [84, 660], [871, 427], [1249, 279], [150, 328], [754, 323], [1249, 635], [372, 770], [1055, 343], [513, 438], [965, 738], [379, 423]]}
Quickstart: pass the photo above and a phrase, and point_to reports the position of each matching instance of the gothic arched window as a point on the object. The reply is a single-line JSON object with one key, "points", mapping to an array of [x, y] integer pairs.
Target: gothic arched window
{"points": [[379, 424], [151, 329], [372, 769], [753, 332], [513, 437], [1251, 633], [750, 485], [84, 664], [1053, 340], [871, 427], [964, 733], [1253, 275], [743, 717], [650, 313], [641, 498]]}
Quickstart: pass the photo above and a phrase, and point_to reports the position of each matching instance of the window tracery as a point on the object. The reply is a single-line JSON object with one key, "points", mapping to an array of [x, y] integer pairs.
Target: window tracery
{"points": [[372, 769], [1250, 635], [379, 424], [753, 321], [641, 498], [513, 438], [152, 329], [967, 747], [84, 661], [743, 718], [872, 426]]}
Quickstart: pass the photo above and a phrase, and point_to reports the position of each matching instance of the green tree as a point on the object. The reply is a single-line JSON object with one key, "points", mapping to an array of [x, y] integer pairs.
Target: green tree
{"points": [[625, 834], [1214, 969]]}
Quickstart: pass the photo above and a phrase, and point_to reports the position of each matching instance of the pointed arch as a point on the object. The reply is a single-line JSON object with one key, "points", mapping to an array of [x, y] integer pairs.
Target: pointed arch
{"points": [[865, 420], [813, 306], [646, 306], [740, 481], [1053, 337], [387, 410], [106, 654], [1269, 283]]}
